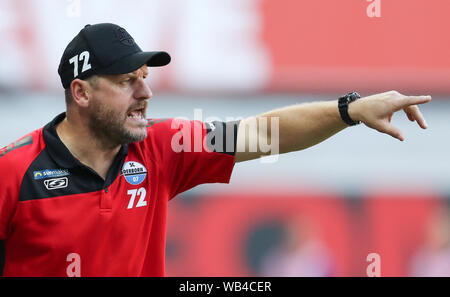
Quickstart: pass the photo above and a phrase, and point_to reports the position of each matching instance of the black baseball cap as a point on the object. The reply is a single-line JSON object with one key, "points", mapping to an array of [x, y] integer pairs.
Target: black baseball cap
{"points": [[104, 49]]}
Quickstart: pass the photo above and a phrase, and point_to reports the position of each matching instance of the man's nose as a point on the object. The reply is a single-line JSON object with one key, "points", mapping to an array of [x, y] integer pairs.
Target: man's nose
{"points": [[142, 90]]}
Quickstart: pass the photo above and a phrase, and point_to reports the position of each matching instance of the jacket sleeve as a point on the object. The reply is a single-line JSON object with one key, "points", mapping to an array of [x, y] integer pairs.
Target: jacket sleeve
{"points": [[194, 152]]}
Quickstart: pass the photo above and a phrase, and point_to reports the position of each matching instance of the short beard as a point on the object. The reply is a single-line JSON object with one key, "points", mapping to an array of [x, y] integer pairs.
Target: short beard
{"points": [[108, 126]]}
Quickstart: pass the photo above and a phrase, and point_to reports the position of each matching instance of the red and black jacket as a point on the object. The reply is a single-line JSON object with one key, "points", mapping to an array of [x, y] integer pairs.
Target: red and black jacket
{"points": [[54, 209]]}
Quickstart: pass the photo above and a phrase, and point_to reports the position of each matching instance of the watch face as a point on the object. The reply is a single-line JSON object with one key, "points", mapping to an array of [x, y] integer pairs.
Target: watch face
{"points": [[353, 96]]}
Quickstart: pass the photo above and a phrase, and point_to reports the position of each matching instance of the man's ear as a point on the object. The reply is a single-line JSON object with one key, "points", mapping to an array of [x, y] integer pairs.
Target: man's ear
{"points": [[80, 92]]}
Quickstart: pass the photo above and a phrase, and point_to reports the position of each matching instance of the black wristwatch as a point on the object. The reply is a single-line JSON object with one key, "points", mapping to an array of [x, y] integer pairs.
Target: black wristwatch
{"points": [[343, 103]]}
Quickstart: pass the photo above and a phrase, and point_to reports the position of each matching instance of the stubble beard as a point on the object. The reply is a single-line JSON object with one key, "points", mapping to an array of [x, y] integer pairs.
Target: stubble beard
{"points": [[109, 126]]}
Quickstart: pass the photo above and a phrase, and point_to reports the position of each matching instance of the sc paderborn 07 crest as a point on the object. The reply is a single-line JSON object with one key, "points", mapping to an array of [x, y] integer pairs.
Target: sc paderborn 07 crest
{"points": [[134, 172]]}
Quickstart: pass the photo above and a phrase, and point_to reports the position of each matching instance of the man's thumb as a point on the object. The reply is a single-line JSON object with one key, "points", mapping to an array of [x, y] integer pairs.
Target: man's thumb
{"points": [[393, 131]]}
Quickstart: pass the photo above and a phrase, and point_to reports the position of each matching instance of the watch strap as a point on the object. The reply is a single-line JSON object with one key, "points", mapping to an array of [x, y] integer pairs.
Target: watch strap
{"points": [[343, 103]]}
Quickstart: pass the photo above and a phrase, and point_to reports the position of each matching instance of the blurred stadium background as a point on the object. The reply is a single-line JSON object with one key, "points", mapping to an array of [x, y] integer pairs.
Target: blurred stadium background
{"points": [[318, 212]]}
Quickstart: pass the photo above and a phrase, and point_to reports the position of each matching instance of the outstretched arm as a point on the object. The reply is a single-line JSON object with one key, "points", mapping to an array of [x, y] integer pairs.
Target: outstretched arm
{"points": [[300, 126]]}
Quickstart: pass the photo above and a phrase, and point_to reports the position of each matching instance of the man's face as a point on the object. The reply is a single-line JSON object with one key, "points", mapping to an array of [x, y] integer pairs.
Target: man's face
{"points": [[117, 110]]}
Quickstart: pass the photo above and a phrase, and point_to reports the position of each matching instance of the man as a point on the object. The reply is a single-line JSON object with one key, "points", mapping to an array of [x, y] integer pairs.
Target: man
{"points": [[87, 194]]}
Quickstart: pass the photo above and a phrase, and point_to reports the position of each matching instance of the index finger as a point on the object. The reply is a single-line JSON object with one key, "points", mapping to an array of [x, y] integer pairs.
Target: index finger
{"points": [[413, 100]]}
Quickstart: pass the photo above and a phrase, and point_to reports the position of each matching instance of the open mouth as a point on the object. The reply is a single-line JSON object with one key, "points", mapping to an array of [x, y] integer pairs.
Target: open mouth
{"points": [[137, 115]]}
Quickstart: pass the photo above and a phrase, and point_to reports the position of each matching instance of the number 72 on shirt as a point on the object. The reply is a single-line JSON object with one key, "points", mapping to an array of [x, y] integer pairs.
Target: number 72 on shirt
{"points": [[141, 193]]}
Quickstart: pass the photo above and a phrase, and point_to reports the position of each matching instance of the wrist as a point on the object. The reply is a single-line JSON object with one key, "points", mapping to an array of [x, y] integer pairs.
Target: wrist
{"points": [[353, 110], [346, 105]]}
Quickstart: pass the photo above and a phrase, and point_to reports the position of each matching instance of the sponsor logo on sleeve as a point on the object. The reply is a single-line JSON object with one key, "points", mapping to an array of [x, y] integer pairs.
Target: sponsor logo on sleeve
{"points": [[56, 183], [50, 173]]}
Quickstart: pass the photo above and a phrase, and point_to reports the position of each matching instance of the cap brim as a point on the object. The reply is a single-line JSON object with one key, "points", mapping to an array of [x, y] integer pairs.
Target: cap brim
{"points": [[135, 61]]}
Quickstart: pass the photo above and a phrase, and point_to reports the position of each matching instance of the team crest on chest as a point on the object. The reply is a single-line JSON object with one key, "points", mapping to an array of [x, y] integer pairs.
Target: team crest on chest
{"points": [[134, 172]]}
